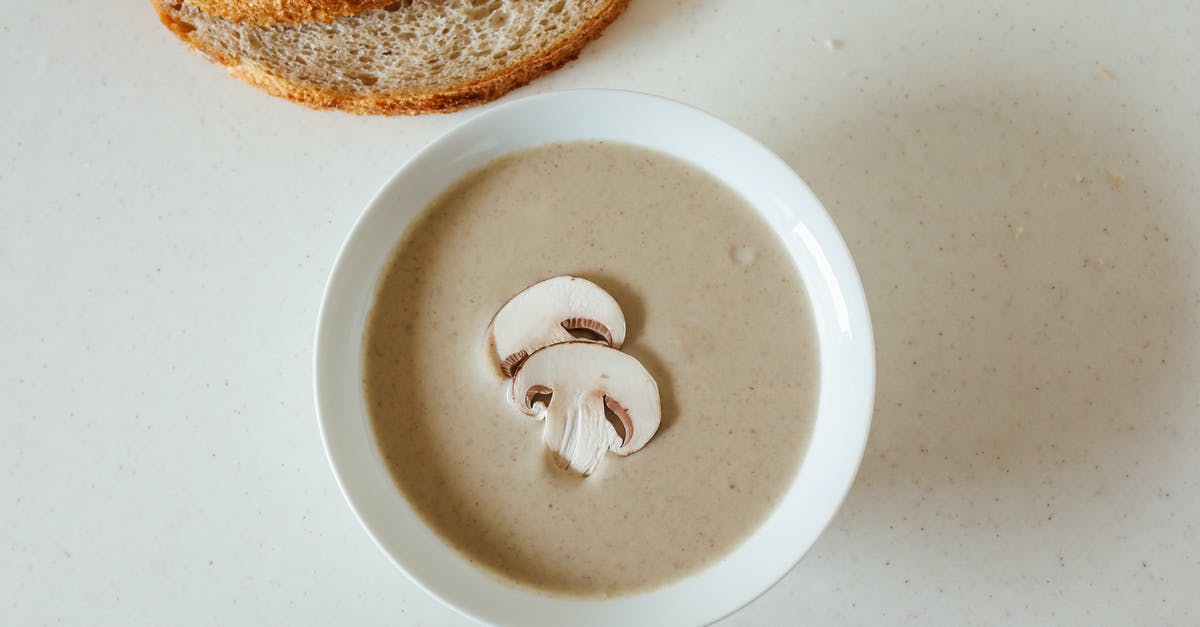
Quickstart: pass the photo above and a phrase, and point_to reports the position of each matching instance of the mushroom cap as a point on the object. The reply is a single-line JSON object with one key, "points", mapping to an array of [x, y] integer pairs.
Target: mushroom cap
{"points": [[578, 371], [545, 313]]}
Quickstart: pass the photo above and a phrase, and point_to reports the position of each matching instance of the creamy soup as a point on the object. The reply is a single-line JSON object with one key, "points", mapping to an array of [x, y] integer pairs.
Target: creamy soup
{"points": [[716, 312]]}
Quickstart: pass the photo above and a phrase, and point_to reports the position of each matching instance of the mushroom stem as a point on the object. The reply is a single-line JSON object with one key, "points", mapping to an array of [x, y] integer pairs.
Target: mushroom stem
{"points": [[582, 379], [576, 431]]}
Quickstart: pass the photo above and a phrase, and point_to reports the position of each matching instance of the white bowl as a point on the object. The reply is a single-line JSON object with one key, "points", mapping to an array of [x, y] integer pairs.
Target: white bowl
{"points": [[847, 360]]}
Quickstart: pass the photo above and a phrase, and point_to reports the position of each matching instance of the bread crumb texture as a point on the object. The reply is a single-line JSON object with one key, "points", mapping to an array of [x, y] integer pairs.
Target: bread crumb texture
{"points": [[406, 58], [285, 11]]}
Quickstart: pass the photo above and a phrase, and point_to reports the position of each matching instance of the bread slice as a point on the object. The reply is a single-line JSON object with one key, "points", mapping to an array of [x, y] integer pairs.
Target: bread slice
{"points": [[408, 58], [285, 11]]}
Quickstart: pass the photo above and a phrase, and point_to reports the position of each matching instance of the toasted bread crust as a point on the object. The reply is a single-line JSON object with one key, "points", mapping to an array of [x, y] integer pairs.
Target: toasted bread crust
{"points": [[267, 12], [477, 91]]}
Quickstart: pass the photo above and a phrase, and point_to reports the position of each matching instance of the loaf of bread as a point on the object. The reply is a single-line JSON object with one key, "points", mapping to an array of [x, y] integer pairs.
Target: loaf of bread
{"points": [[408, 57]]}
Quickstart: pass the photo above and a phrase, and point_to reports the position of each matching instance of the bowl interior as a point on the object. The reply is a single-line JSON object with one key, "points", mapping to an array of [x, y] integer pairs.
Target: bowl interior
{"points": [[840, 311]]}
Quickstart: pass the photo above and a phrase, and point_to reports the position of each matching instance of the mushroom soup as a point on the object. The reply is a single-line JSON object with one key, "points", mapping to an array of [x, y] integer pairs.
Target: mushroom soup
{"points": [[713, 328]]}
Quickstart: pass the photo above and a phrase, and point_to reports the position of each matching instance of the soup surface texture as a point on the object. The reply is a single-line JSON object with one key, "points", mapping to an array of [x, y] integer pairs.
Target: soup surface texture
{"points": [[716, 312]]}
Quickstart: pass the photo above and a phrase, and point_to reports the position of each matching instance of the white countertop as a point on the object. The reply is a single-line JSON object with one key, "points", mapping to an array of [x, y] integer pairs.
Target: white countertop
{"points": [[1018, 185]]}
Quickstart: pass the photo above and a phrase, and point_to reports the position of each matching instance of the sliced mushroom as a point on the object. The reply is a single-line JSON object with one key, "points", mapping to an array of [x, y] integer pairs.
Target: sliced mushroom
{"points": [[546, 313], [582, 379]]}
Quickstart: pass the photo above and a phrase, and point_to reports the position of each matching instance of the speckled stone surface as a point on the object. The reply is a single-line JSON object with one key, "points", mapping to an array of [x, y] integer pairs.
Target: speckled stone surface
{"points": [[1017, 183]]}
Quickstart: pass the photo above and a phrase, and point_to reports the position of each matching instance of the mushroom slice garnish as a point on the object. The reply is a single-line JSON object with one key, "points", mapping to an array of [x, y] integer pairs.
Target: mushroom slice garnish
{"points": [[546, 313], [582, 378]]}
